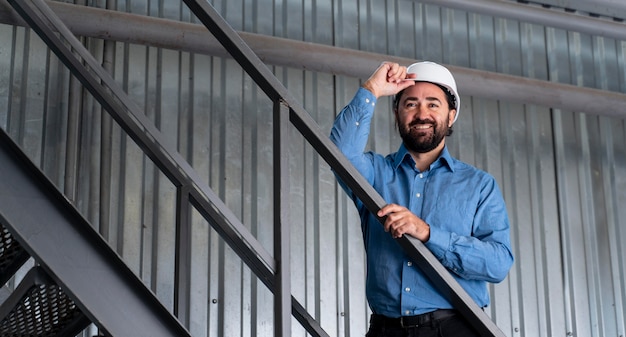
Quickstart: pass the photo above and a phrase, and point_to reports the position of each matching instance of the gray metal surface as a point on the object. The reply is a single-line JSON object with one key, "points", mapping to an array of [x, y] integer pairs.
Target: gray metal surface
{"points": [[612, 9], [282, 235], [557, 18], [190, 37]]}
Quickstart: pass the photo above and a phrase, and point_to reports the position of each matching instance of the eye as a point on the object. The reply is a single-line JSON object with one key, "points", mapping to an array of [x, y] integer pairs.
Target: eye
{"points": [[433, 105], [410, 105]]}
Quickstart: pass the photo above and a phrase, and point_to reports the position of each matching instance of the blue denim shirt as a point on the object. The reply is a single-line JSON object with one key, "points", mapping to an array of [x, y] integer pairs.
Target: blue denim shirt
{"points": [[469, 226]]}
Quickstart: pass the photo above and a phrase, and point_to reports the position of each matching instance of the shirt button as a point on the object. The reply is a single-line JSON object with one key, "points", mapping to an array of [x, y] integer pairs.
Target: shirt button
{"points": [[407, 312], [418, 195], [407, 289], [357, 123], [409, 263], [367, 100], [421, 175]]}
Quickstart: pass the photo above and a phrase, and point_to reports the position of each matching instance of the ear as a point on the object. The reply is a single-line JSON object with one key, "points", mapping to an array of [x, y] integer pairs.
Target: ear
{"points": [[451, 116]]}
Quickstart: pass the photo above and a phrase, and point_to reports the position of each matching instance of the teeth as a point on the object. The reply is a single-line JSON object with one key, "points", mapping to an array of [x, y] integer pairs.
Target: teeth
{"points": [[422, 126]]}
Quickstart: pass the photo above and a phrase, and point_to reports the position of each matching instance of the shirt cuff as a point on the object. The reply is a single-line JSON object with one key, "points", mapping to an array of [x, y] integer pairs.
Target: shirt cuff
{"points": [[438, 243], [364, 99]]}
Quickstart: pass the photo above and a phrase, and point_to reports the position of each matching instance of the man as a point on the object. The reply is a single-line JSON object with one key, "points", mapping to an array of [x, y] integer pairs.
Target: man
{"points": [[457, 210]]}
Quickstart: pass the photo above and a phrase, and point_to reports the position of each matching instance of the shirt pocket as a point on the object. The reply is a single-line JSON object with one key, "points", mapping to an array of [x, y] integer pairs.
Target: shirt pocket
{"points": [[451, 210]]}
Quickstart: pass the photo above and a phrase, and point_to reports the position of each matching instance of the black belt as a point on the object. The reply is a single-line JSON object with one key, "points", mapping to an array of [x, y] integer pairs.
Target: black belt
{"points": [[411, 321]]}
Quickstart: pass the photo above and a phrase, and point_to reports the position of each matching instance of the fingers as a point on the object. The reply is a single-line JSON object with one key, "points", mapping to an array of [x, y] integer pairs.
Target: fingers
{"points": [[388, 79], [401, 220], [390, 208], [395, 73], [398, 227]]}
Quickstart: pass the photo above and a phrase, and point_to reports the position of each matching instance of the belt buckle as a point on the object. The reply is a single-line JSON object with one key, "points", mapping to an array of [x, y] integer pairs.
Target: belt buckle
{"points": [[407, 326]]}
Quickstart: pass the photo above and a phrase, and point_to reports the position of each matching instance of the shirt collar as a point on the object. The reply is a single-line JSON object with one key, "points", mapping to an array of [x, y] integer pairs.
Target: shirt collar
{"points": [[444, 159]]}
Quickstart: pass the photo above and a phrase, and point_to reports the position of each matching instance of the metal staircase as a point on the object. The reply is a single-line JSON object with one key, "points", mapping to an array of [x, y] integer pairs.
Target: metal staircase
{"points": [[73, 284], [90, 280]]}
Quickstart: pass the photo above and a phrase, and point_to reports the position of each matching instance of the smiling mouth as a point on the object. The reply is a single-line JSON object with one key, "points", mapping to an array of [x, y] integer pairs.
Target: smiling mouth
{"points": [[421, 126]]}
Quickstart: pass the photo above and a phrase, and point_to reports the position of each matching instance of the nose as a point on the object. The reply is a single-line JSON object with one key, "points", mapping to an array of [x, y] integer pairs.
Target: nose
{"points": [[421, 110]]}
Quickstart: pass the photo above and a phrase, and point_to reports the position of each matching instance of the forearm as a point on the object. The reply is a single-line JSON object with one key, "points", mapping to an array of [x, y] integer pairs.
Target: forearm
{"points": [[351, 127], [488, 259], [351, 130], [477, 248]]}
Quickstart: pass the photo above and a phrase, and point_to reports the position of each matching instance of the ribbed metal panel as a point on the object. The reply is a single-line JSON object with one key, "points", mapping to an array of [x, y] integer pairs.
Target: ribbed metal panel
{"points": [[561, 172]]}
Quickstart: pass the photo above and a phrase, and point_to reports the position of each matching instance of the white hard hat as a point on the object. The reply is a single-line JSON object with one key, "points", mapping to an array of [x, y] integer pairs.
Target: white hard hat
{"points": [[435, 73]]}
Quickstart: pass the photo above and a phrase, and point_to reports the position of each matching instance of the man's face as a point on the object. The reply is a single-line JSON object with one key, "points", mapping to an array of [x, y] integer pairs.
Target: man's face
{"points": [[423, 117]]}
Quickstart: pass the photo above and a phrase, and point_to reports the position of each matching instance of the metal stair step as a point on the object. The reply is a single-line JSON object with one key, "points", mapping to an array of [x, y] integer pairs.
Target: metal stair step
{"points": [[12, 255], [39, 307]]}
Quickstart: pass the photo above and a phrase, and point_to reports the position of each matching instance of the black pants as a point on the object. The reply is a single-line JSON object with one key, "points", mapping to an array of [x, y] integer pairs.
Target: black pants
{"points": [[455, 326]]}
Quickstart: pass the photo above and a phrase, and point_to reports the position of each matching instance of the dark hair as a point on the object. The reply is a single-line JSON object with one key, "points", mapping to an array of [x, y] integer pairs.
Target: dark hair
{"points": [[449, 98]]}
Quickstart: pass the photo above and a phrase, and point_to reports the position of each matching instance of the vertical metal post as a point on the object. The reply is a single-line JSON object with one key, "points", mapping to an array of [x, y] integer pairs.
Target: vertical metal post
{"points": [[182, 268], [106, 148], [282, 291]]}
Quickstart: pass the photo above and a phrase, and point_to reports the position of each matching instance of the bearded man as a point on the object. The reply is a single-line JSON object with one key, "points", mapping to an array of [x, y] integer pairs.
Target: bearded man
{"points": [[455, 209]]}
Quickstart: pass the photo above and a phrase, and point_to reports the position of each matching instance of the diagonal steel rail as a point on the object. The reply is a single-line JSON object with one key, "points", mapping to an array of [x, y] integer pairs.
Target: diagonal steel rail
{"points": [[108, 93], [299, 117]]}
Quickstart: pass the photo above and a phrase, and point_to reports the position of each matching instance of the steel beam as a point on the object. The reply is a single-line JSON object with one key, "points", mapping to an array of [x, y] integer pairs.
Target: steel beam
{"points": [[182, 269], [320, 141], [534, 14], [139, 29], [282, 241], [612, 9]]}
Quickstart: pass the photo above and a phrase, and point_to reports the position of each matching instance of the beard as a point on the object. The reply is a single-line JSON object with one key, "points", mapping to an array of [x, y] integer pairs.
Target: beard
{"points": [[422, 140]]}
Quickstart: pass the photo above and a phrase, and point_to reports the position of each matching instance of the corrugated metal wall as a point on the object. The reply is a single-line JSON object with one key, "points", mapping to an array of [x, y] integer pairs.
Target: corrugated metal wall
{"points": [[562, 172]]}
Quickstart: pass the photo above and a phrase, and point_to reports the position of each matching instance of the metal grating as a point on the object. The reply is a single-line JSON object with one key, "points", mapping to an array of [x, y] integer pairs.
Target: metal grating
{"points": [[44, 311], [12, 255], [9, 249], [38, 307]]}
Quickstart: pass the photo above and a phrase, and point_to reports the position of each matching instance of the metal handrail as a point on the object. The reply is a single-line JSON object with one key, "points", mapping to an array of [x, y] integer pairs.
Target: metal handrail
{"points": [[299, 117]]}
